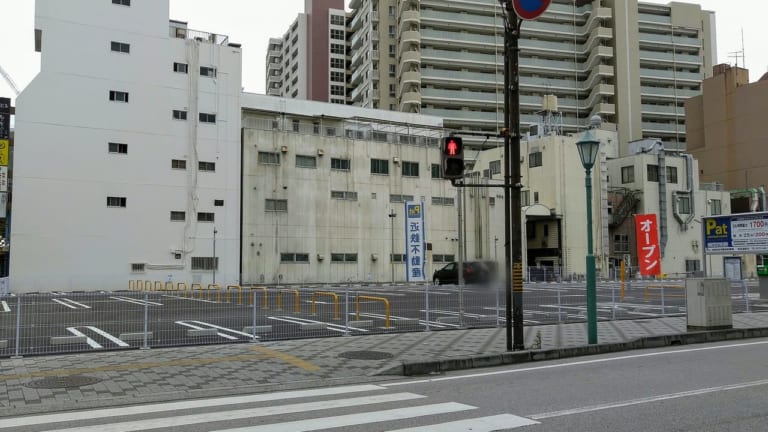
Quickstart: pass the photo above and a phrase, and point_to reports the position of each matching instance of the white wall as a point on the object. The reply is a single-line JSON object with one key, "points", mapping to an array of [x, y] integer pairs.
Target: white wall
{"points": [[64, 173]]}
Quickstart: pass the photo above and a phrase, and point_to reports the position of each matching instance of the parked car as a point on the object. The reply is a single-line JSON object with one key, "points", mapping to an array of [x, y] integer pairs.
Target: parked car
{"points": [[474, 272]]}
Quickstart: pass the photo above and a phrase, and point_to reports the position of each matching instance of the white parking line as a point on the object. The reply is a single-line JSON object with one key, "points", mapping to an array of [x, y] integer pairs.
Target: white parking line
{"points": [[221, 328], [197, 327], [329, 326], [70, 303], [93, 343], [135, 301], [5, 306]]}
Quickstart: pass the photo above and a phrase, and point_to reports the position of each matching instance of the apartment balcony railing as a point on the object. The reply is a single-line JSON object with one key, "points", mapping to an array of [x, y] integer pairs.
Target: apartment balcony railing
{"points": [[185, 33]]}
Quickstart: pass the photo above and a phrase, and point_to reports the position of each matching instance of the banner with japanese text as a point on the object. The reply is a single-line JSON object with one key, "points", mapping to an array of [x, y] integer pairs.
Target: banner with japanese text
{"points": [[415, 242], [5, 130], [648, 251]]}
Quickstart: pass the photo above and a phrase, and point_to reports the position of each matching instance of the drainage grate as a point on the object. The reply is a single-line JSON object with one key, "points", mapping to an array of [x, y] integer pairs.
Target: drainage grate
{"points": [[366, 355], [63, 382]]}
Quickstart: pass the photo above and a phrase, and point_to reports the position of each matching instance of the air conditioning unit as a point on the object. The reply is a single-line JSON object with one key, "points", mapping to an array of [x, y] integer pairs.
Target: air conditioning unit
{"points": [[320, 257], [320, 152], [284, 149], [396, 160]]}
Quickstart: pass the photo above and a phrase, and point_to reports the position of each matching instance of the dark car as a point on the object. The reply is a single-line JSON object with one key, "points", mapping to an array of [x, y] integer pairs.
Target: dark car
{"points": [[474, 272]]}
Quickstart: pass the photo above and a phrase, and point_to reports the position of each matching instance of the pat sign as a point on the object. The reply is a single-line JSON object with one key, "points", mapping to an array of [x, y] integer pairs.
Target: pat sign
{"points": [[530, 9], [739, 233]]}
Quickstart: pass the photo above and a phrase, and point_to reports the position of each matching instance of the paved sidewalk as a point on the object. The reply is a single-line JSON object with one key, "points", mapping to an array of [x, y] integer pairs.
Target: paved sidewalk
{"points": [[97, 379]]}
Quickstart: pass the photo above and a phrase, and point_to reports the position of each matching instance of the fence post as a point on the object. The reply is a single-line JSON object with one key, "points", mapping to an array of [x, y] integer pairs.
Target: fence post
{"points": [[559, 310], [346, 310], [146, 321], [498, 319], [426, 307], [613, 301], [663, 307], [18, 327], [253, 311]]}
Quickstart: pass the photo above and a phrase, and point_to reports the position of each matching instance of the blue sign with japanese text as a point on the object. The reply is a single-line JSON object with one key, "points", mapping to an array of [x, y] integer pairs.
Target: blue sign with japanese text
{"points": [[739, 233], [415, 241]]}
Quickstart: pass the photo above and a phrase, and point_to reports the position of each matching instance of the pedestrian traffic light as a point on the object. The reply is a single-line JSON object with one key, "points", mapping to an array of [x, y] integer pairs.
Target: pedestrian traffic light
{"points": [[452, 157]]}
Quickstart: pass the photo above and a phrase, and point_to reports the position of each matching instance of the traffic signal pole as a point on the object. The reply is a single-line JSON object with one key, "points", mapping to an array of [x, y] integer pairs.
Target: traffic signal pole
{"points": [[513, 242]]}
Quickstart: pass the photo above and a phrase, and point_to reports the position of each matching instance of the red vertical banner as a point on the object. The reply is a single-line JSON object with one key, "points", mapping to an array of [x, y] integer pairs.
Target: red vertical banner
{"points": [[648, 251]]}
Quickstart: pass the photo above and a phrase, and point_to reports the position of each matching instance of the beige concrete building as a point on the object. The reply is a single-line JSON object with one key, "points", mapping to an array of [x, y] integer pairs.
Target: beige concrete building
{"points": [[727, 132]]}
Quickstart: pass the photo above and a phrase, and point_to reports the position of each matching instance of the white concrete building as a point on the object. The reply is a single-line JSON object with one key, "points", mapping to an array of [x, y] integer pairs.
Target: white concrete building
{"points": [[320, 182], [127, 157]]}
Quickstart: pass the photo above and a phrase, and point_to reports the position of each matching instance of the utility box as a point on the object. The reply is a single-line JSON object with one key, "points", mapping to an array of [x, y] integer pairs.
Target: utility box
{"points": [[709, 304]]}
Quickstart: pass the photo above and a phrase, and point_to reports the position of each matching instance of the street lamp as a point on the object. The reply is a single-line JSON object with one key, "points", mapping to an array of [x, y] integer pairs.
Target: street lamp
{"points": [[392, 216], [214, 255], [588, 148]]}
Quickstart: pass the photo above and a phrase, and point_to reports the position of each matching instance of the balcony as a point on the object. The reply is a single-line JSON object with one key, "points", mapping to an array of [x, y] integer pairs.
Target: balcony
{"points": [[409, 37], [658, 74], [409, 19], [409, 60], [411, 78], [410, 98], [185, 33]]}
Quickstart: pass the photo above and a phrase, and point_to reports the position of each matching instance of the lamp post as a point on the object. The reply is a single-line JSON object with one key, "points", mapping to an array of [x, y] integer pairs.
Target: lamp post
{"points": [[588, 148], [392, 216], [214, 254]]}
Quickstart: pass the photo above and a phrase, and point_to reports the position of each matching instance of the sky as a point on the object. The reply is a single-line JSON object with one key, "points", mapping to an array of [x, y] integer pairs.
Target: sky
{"points": [[252, 22]]}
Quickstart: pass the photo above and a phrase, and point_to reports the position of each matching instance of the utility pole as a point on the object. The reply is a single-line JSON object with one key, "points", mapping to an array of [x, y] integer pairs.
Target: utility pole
{"points": [[392, 216]]}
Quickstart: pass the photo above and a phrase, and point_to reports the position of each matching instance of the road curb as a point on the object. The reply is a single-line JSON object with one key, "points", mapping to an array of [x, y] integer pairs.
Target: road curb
{"points": [[499, 359]]}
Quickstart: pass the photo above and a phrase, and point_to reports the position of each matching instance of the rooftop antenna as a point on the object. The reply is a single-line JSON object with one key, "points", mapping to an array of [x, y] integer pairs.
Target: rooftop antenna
{"points": [[741, 54]]}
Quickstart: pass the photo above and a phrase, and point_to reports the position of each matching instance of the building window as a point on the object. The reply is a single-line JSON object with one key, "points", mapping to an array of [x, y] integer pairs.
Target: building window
{"points": [[208, 71], [535, 197], [306, 161], [393, 198], [344, 257], [397, 258], [337, 63], [340, 164], [218, 203], [122, 3], [410, 169], [337, 90], [337, 20], [181, 67], [116, 202], [207, 118], [205, 263], [443, 258], [118, 148], [525, 198], [206, 166], [684, 205], [391, 70], [179, 115], [442, 201], [137, 267], [178, 216], [121, 47], [337, 34], [534, 160], [495, 167], [692, 266], [672, 174], [291, 258], [269, 158], [337, 48], [621, 243], [627, 174], [344, 195], [276, 205], [436, 174], [715, 207], [652, 171], [118, 96], [337, 76], [205, 217], [178, 164], [380, 166]]}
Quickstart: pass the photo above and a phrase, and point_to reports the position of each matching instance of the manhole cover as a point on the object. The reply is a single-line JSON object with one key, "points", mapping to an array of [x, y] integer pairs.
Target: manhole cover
{"points": [[63, 382], [366, 355]]}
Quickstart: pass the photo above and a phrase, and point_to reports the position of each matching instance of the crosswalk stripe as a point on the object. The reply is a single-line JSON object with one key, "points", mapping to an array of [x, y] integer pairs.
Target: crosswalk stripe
{"points": [[12, 423], [186, 420], [480, 424], [356, 419]]}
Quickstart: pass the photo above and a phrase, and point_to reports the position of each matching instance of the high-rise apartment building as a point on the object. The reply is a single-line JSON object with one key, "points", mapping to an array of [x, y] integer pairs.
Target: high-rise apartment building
{"points": [[309, 62], [128, 151], [632, 63]]}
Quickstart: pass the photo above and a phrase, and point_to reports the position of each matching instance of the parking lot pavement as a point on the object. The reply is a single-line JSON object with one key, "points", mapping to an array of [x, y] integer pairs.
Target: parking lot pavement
{"points": [[110, 378]]}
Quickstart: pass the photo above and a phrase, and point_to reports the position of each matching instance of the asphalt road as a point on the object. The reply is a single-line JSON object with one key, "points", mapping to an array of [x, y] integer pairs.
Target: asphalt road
{"points": [[711, 387], [117, 320]]}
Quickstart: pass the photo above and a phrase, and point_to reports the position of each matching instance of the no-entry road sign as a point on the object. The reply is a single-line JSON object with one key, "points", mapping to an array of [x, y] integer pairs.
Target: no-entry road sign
{"points": [[530, 9]]}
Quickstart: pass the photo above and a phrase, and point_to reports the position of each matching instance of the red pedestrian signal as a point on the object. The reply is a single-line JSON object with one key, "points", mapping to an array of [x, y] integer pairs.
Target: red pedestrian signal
{"points": [[452, 158]]}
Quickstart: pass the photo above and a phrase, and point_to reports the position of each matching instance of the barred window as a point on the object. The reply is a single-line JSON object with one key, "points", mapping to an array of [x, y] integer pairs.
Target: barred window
{"points": [[205, 217], [495, 167], [380, 166], [534, 160], [340, 164], [138, 268], [652, 172], [436, 171], [178, 216], [206, 166], [393, 198], [628, 174], [442, 201], [397, 258], [117, 202], [410, 169], [440, 258], [269, 158], [178, 164], [344, 195], [276, 205], [621, 243], [205, 263], [306, 161]]}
